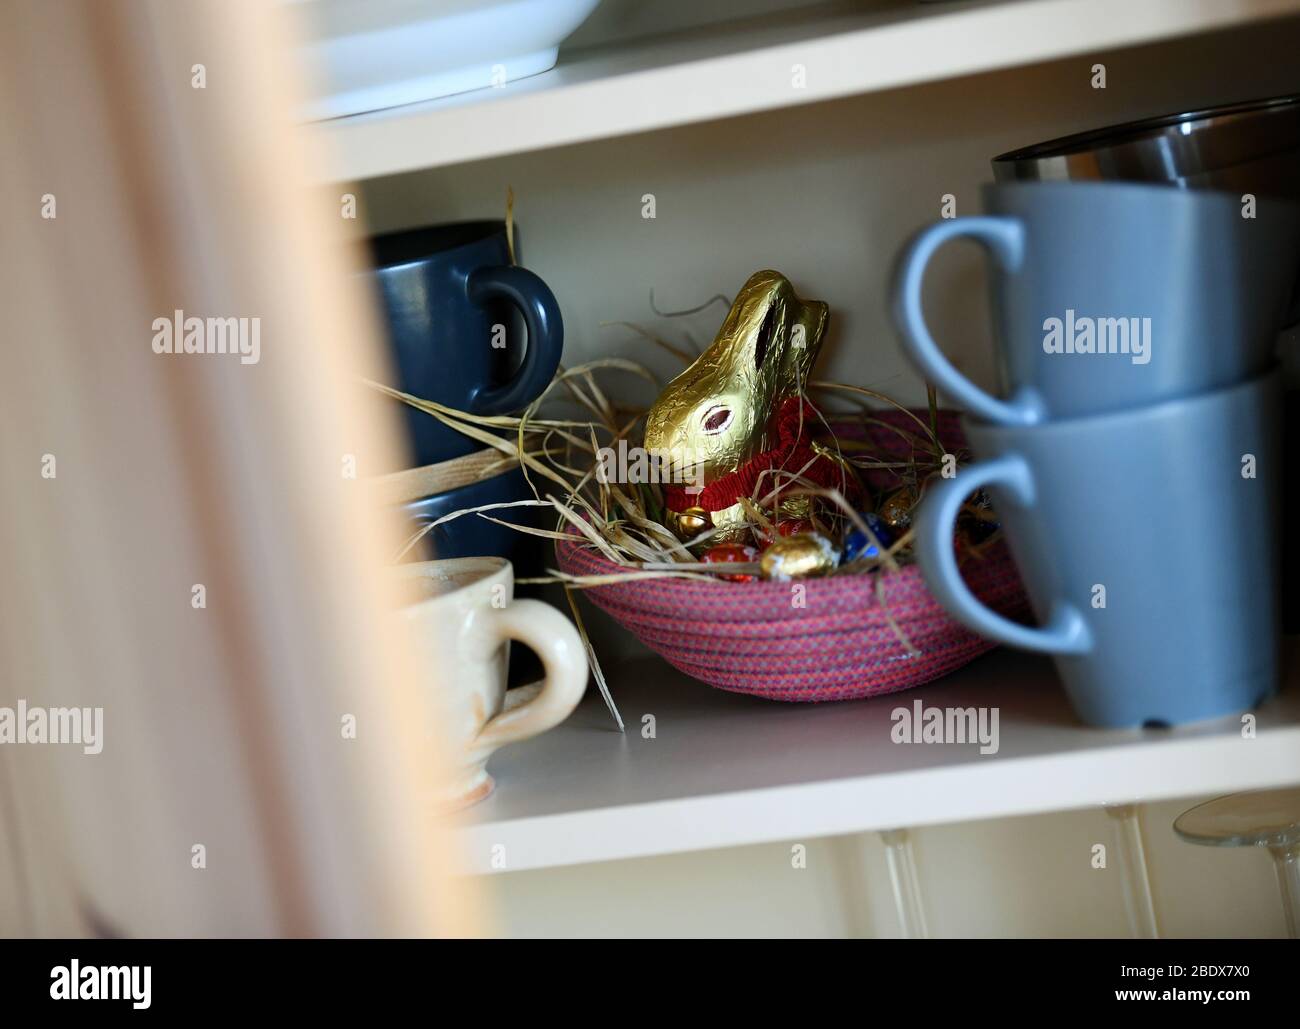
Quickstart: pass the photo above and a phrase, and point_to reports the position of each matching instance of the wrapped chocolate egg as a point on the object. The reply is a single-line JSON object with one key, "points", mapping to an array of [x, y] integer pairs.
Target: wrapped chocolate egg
{"points": [[800, 556], [896, 510], [793, 526], [858, 544], [732, 553], [782, 527]]}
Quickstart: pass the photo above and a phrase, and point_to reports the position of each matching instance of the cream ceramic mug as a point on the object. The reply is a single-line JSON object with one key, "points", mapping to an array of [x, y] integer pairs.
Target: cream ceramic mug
{"points": [[462, 616]]}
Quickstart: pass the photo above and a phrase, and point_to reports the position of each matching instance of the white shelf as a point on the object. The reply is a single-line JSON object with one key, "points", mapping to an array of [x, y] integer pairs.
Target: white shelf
{"points": [[727, 770], [747, 67]]}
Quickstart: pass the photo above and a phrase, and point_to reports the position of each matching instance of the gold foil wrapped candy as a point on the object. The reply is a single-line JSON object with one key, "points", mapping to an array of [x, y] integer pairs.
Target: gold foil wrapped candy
{"points": [[896, 509], [689, 523], [798, 557], [714, 417]]}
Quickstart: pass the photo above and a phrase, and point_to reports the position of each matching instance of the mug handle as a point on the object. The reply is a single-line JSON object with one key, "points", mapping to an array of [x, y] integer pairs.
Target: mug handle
{"points": [[541, 314], [1004, 239], [1065, 631], [543, 706]]}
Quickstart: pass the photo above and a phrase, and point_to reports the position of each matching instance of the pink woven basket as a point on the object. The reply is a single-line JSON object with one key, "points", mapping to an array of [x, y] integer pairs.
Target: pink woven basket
{"points": [[852, 636]]}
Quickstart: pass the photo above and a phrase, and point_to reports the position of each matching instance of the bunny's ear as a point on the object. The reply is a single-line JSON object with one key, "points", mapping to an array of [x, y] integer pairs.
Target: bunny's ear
{"points": [[755, 324], [763, 342], [809, 327]]}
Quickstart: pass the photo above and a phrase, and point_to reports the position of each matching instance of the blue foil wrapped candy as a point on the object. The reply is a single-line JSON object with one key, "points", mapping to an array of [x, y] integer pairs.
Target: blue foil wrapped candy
{"points": [[857, 544]]}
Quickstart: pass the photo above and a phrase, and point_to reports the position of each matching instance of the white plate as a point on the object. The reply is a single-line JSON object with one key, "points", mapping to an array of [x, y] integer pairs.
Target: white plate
{"points": [[365, 55]]}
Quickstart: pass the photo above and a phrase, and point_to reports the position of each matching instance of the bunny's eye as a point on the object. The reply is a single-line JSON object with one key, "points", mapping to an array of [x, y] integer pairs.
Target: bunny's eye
{"points": [[717, 419]]}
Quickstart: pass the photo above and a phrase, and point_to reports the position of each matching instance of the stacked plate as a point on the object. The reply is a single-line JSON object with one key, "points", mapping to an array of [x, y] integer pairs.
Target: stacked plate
{"points": [[365, 55]]}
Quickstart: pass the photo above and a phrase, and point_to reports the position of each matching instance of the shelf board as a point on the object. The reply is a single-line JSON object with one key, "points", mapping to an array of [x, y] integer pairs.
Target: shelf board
{"points": [[727, 770], [745, 67]]}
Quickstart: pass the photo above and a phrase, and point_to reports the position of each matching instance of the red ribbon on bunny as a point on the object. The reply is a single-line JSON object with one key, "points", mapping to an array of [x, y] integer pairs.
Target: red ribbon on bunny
{"points": [[793, 454]]}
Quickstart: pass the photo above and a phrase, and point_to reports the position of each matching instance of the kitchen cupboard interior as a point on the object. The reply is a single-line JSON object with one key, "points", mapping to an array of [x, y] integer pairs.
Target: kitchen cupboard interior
{"points": [[816, 138]]}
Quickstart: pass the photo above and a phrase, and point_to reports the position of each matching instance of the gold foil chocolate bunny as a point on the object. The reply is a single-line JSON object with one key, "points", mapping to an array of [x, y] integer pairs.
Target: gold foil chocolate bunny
{"points": [[717, 417]]}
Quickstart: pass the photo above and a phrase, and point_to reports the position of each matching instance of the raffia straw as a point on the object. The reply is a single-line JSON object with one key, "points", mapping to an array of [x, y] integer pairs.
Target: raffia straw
{"points": [[682, 355], [575, 391], [452, 416], [584, 527], [528, 530], [602, 402], [717, 298], [620, 364], [606, 578], [563, 378], [903, 638], [675, 546], [862, 390], [593, 662], [430, 526], [731, 567], [474, 432]]}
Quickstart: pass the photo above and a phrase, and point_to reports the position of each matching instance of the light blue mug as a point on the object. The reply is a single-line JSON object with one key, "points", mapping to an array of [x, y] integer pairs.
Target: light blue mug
{"points": [[1147, 542], [1110, 295]]}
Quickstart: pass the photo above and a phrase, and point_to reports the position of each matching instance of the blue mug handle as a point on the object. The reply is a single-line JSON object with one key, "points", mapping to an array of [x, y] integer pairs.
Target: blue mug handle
{"points": [[1004, 239], [1065, 631], [545, 335]]}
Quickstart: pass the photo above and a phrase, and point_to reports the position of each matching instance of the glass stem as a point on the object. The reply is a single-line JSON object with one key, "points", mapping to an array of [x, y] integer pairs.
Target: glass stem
{"points": [[1286, 862], [1134, 875], [907, 886]]}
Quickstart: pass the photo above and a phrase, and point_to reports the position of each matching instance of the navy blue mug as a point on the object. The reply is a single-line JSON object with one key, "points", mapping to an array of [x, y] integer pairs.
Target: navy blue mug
{"points": [[472, 536], [453, 303]]}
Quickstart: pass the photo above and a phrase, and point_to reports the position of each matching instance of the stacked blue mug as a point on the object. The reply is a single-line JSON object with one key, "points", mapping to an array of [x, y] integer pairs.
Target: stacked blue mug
{"points": [[1133, 453], [472, 331]]}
